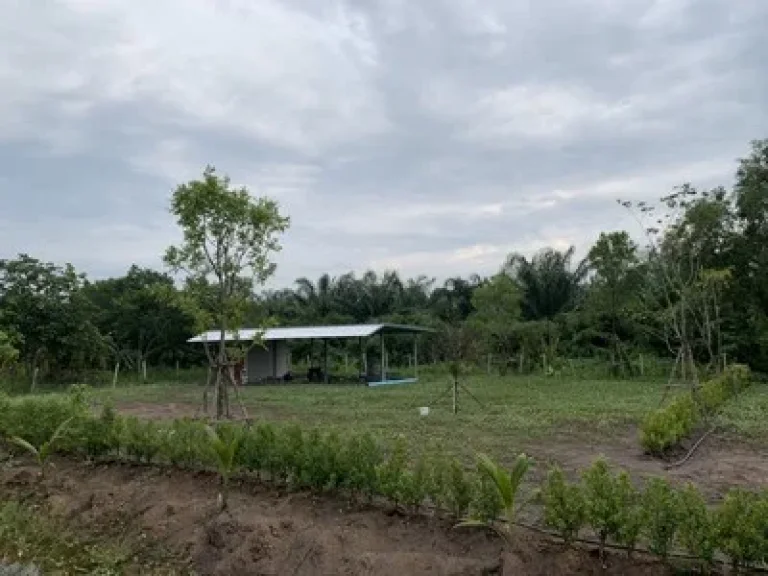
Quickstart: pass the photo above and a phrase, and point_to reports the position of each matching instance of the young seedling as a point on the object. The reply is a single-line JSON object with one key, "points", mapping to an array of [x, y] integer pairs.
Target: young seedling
{"points": [[43, 452], [224, 450], [507, 484]]}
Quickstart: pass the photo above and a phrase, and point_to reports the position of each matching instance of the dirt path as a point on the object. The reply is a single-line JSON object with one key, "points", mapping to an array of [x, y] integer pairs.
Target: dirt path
{"points": [[273, 533]]}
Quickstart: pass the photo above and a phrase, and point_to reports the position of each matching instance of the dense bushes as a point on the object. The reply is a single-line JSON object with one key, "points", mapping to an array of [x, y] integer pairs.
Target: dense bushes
{"points": [[603, 504], [668, 426], [661, 516]]}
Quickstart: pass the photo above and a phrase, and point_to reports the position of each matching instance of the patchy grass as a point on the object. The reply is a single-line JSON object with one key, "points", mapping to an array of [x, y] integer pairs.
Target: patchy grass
{"points": [[31, 536], [511, 410], [747, 415]]}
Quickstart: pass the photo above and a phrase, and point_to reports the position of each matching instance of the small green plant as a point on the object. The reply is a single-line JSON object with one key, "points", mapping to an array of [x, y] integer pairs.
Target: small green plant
{"points": [[564, 505], [662, 516], [486, 506], [458, 490], [602, 501], [98, 436], [507, 485], [415, 484], [224, 442], [141, 439], [43, 452], [631, 514], [742, 527], [392, 472], [361, 456], [697, 531]]}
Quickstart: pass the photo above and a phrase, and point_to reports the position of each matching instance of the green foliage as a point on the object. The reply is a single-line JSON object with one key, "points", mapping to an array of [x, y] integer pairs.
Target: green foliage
{"points": [[36, 418], [415, 484], [185, 443], [141, 439], [666, 427], [631, 515], [44, 451], [742, 527], [393, 471], [603, 501], [564, 505], [697, 532], [506, 485], [361, 457], [458, 495], [225, 442], [100, 436], [33, 536], [662, 516]]}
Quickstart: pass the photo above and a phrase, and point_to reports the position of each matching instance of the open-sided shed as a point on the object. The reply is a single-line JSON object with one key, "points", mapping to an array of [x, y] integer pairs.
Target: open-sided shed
{"points": [[271, 361]]}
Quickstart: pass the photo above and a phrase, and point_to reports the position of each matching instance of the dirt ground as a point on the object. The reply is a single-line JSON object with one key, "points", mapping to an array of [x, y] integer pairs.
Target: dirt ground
{"points": [[272, 533], [718, 464]]}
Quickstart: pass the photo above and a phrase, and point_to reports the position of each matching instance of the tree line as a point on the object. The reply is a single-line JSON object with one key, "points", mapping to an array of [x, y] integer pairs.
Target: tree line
{"points": [[694, 287]]}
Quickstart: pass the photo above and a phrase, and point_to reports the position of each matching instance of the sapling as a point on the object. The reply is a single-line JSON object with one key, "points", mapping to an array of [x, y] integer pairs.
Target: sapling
{"points": [[564, 506], [224, 447], [603, 507], [662, 516], [507, 484], [43, 452]]}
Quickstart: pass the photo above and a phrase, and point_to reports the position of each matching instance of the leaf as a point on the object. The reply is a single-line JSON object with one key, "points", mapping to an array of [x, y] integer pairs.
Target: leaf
{"points": [[26, 445]]}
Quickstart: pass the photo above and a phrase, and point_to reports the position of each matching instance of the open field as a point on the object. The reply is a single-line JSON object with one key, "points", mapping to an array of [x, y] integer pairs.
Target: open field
{"points": [[554, 419]]}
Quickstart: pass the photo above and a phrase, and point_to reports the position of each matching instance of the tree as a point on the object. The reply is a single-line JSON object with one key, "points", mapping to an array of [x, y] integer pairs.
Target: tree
{"points": [[141, 316], [497, 310], [8, 353], [613, 260], [228, 235], [44, 306], [549, 282]]}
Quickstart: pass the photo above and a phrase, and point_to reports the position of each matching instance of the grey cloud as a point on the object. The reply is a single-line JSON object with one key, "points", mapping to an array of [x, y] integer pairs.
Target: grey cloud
{"points": [[430, 136]]}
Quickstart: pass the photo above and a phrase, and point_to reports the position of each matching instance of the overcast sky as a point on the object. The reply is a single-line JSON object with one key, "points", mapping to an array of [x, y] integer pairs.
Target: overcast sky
{"points": [[430, 136]]}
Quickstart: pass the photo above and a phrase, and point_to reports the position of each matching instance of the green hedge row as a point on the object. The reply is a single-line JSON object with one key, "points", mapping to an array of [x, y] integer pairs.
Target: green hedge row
{"points": [[604, 503], [666, 427]]}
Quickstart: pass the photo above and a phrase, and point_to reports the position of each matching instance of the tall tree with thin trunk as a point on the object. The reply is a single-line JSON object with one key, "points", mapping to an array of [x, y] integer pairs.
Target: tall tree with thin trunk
{"points": [[228, 235]]}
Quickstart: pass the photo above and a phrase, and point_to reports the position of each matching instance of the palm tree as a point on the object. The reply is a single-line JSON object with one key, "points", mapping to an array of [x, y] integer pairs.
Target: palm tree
{"points": [[550, 284]]}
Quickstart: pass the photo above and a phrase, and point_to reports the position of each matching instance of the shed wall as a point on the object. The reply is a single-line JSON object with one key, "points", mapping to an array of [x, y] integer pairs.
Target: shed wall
{"points": [[271, 361]]}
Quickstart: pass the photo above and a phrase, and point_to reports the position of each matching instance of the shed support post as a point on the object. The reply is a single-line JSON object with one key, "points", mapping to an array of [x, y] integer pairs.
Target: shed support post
{"points": [[383, 359], [325, 360], [416, 355]]}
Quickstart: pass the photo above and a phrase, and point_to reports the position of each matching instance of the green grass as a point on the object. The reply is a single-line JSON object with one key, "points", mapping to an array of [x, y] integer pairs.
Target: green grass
{"points": [[514, 409], [30, 535], [747, 415]]}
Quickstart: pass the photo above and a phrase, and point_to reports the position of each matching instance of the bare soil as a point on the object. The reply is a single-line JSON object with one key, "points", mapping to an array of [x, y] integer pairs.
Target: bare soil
{"points": [[269, 532]]}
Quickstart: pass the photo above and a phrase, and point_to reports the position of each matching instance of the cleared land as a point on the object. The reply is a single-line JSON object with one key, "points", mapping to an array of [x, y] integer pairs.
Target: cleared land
{"points": [[554, 419]]}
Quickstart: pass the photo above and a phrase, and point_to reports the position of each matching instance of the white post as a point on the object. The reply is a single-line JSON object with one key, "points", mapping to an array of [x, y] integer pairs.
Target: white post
{"points": [[144, 370], [114, 376]]}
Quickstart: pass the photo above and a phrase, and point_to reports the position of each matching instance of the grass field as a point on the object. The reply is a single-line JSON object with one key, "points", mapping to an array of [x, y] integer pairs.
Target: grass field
{"points": [[510, 412]]}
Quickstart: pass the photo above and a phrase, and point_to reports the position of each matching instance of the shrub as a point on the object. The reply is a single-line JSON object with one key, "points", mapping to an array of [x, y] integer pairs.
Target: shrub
{"points": [[662, 516], [393, 470], [486, 505], [603, 502], [97, 437], [564, 505], [322, 464], [631, 514], [697, 530], [141, 439], [415, 484], [742, 527], [36, 418], [666, 427], [185, 444], [458, 492], [361, 457]]}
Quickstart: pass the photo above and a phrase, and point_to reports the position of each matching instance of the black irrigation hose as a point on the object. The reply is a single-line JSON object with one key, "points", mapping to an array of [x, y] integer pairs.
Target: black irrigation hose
{"points": [[691, 451]]}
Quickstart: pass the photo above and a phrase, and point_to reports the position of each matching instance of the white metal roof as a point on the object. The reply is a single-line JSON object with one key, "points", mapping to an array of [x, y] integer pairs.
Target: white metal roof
{"points": [[308, 332]]}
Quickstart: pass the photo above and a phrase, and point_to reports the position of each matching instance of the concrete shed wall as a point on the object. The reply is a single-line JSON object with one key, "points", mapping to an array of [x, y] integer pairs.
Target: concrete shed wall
{"points": [[272, 361]]}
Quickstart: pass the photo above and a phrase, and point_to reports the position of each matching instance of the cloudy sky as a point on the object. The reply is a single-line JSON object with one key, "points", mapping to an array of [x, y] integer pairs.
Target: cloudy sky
{"points": [[429, 136]]}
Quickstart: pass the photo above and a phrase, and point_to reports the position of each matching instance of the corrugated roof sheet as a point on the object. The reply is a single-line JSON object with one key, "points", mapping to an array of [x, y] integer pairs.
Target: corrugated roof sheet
{"points": [[309, 332]]}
